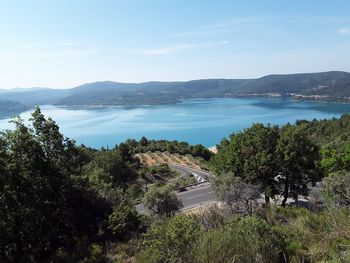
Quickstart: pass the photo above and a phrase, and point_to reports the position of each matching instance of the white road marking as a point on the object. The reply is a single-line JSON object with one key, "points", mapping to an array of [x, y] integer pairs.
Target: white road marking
{"points": [[195, 196], [199, 178]]}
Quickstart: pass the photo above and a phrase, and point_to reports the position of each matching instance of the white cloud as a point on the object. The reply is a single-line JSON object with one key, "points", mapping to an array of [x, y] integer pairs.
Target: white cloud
{"points": [[344, 30], [172, 48]]}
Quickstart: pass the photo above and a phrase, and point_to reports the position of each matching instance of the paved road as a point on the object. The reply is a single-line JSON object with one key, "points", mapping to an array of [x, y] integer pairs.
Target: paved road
{"points": [[190, 198], [203, 193], [200, 175], [197, 196], [193, 197]]}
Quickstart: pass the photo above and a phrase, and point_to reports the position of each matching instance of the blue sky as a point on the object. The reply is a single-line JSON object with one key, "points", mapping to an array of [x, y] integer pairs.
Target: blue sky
{"points": [[60, 44]]}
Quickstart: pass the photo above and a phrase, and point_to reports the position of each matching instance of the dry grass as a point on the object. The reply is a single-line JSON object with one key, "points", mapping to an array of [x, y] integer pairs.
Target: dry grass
{"points": [[157, 158]]}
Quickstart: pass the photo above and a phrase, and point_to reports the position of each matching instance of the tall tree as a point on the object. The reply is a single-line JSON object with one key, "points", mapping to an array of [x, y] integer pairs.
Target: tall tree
{"points": [[298, 157], [251, 156], [280, 161], [30, 196], [44, 209]]}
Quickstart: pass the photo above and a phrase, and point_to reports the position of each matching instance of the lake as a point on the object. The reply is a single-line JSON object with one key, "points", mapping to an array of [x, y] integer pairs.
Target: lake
{"points": [[204, 121]]}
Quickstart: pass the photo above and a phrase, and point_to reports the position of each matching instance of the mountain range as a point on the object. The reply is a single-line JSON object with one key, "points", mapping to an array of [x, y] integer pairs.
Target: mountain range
{"points": [[328, 86]]}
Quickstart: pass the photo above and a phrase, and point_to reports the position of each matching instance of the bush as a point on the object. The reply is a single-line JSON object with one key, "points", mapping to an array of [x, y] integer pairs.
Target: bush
{"points": [[184, 181], [96, 255], [315, 237], [172, 241], [162, 201], [242, 239], [336, 188], [124, 221]]}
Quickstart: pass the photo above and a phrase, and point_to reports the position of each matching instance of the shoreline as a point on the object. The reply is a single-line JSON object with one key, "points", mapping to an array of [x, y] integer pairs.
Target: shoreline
{"points": [[7, 114]]}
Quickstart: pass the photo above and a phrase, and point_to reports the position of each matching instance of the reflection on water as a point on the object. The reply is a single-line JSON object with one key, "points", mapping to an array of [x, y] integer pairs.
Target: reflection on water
{"points": [[204, 121]]}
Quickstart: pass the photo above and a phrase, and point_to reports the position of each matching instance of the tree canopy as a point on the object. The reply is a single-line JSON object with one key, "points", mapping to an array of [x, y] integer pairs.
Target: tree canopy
{"points": [[280, 161], [47, 208], [162, 201]]}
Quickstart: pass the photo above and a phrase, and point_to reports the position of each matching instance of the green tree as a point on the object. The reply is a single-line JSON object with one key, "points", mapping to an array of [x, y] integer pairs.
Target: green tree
{"points": [[108, 168], [242, 197], [298, 159], [162, 201], [44, 208], [335, 160], [250, 155], [124, 220], [345, 157], [330, 160], [143, 141]]}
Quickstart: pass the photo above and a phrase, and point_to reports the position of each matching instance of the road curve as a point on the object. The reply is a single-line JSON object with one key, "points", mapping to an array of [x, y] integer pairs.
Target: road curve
{"points": [[190, 199], [200, 175]]}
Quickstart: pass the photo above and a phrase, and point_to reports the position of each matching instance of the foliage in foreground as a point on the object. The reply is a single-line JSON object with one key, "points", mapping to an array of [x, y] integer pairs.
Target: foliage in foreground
{"points": [[57, 201], [63, 203], [285, 235]]}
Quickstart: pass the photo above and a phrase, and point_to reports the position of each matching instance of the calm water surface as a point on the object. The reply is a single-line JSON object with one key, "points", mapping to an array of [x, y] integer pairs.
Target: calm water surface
{"points": [[204, 121]]}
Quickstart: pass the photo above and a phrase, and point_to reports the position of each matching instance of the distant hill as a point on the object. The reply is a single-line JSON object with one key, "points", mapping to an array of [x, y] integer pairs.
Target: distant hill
{"points": [[330, 86], [9, 108], [35, 96], [333, 83]]}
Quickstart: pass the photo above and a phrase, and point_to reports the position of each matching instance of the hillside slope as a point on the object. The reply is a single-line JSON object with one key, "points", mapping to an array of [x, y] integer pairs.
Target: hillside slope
{"points": [[327, 85], [10, 108], [331, 86]]}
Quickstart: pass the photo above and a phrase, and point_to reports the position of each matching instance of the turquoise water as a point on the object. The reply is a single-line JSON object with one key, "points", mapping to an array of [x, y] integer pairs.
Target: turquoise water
{"points": [[204, 121]]}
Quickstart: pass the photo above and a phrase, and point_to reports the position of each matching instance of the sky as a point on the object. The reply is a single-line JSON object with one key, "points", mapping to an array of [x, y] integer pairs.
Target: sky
{"points": [[65, 43]]}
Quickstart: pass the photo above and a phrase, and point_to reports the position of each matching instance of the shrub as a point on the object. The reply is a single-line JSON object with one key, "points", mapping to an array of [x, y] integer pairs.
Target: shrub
{"points": [[162, 201], [247, 239], [172, 241], [336, 188]]}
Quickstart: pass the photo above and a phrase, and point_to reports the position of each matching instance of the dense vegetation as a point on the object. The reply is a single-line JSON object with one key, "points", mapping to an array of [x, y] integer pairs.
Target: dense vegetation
{"points": [[332, 134], [64, 203], [331, 86], [60, 202], [279, 162], [182, 148], [278, 235]]}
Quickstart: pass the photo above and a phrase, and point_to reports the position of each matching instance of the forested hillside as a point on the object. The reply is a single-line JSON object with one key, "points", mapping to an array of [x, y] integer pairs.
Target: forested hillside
{"points": [[327, 86], [333, 133], [8, 107]]}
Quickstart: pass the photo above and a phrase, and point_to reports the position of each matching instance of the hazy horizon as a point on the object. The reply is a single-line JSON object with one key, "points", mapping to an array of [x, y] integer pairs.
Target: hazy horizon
{"points": [[116, 81]]}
